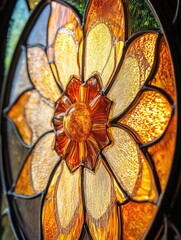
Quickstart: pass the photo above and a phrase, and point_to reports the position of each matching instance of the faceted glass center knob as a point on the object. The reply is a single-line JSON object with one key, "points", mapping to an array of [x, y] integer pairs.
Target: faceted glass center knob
{"points": [[77, 122]]}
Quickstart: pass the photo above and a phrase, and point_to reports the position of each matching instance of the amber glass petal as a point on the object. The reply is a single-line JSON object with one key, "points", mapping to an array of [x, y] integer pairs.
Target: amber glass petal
{"points": [[101, 216], [94, 88], [150, 116], [162, 153], [135, 70], [73, 90], [41, 75], [16, 113], [35, 173], [72, 155], [100, 109], [61, 142], [105, 30], [128, 164], [63, 16], [164, 77], [62, 215], [136, 219], [66, 56]]}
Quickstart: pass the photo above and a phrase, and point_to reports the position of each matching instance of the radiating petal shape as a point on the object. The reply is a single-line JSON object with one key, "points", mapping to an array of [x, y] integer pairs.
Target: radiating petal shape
{"points": [[62, 215], [128, 164], [102, 215], [73, 90], [100, 109], [36, 171], [94, 88], [105, 30], [137, 65], [61, 142], [63, 16], [98, 49], [16, 113], [38, 114], [41, 75], [149, 117], [66, 56], [72, 155], [164, 77]]}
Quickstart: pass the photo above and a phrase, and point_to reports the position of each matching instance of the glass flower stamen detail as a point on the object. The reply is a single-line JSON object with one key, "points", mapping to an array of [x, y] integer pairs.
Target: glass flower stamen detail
{"points": [[80, 123]]}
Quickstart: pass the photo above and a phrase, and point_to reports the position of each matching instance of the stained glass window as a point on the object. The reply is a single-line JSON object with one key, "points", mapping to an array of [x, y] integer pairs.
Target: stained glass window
{"points": [[88, 121]]}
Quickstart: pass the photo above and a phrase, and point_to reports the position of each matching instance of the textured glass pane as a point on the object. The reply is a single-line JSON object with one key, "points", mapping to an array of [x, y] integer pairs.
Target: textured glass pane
{"points": [[137, 65], [149, 117], [136, 219]]}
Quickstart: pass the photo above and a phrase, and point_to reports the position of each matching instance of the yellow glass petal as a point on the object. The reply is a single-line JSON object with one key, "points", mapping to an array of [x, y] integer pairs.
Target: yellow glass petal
{"points": [[41, 75], [98, 49], [65, 202], [66, 56], [137, 65], [164, 77], [38, 115], [101, 217], [162, 153], [136, 219], [33, 3], [123, 159], [99, 39], [150, 117], [35, 173], [110, 11], [16, 113], [130, 167], [125, 87]]}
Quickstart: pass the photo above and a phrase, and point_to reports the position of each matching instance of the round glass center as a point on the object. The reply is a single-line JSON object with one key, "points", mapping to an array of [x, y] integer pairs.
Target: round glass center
{"points": [[77, 122]]}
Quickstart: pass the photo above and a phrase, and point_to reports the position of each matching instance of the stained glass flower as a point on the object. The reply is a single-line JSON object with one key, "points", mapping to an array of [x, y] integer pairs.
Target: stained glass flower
{"points": [[91, 110]]}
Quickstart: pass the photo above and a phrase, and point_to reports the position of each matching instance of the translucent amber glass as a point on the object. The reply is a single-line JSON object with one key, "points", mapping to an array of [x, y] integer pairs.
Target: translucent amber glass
{"points": [[80, 122], [77, 122]]}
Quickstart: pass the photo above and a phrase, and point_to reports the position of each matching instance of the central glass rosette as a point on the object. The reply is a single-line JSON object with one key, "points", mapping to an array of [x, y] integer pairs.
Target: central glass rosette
{"points": [[80, 123]]}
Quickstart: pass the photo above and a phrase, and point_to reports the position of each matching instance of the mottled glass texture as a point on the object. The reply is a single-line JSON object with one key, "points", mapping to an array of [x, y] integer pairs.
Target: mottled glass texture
{"points": [[98, 121]]}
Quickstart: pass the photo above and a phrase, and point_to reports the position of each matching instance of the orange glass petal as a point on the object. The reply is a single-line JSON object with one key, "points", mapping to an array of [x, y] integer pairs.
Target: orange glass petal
{"points": [[150, 116], [73, 90], [16, 113], [164, 77]]}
